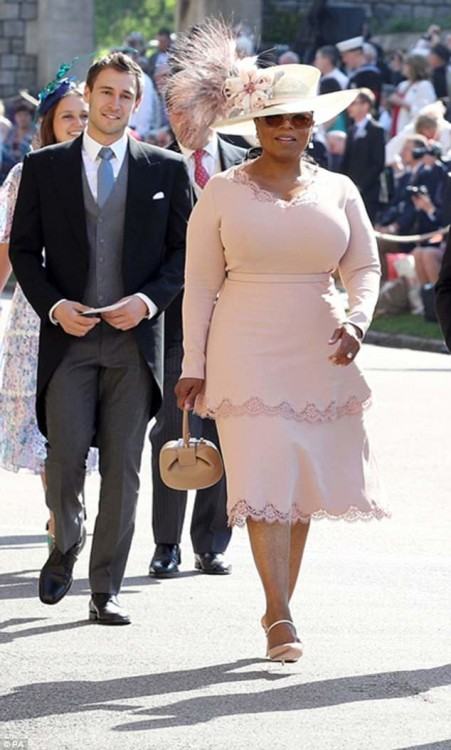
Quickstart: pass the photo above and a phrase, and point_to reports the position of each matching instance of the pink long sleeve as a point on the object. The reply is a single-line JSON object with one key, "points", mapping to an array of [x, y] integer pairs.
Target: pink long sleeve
{"points": [[360, 267], [204, 277]]}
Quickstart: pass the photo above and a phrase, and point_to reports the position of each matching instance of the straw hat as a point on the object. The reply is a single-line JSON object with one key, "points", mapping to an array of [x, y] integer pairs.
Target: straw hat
{"points": [[279, 90], [216, 89]]}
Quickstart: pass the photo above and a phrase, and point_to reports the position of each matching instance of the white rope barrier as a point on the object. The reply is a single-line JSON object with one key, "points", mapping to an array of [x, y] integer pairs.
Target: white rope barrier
{"points": [[408, 238]]}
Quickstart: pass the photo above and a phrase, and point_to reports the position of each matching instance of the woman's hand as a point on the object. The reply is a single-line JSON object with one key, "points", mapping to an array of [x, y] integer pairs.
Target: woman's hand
{"points": [[349, 345], [186, 391]]}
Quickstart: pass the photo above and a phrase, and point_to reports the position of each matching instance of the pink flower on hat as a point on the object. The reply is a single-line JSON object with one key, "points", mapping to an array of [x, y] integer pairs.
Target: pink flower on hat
{"points": [[249, 90]]}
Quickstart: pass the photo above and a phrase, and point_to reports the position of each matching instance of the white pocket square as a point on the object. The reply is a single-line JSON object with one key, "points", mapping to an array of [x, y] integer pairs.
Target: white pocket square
{"points": [[158, 196]]}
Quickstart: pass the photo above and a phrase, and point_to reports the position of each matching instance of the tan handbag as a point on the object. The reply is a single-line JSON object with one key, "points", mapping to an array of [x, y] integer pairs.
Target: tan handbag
{"points": [[188, 463]]}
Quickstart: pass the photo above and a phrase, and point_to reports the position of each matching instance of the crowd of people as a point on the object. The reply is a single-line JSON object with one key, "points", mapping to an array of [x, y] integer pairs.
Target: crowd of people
{"points": [[96, 230], [403, 180]]}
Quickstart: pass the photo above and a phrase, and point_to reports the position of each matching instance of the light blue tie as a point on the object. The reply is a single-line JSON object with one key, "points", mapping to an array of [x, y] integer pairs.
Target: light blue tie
{"points": [[105, 176]]}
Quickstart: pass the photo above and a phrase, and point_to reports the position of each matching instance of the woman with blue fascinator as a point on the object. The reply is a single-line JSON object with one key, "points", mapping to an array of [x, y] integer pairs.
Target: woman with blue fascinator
{"points": [[62, 115]]}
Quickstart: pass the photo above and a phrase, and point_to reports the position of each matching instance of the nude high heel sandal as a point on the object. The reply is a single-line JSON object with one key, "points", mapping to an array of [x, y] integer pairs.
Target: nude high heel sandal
{"points": [[284, 652]]}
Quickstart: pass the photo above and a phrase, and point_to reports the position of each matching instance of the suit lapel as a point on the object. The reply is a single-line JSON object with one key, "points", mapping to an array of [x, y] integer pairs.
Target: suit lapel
{"points": [[66, 169], [228, 155]]}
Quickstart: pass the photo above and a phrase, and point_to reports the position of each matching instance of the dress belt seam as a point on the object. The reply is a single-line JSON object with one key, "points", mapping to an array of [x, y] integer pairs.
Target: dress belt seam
{"points": [[278, 278]]}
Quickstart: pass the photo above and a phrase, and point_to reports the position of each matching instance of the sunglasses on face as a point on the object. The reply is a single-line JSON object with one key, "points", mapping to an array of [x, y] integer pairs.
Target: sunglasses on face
{"points": [[300, 121]]}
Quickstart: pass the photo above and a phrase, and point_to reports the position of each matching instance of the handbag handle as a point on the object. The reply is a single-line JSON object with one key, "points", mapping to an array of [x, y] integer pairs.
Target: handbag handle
{"points": [[185, 428]]}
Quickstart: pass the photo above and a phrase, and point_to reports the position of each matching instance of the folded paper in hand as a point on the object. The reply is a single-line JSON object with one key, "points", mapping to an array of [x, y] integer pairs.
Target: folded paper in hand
{"points": [[109, 308]]}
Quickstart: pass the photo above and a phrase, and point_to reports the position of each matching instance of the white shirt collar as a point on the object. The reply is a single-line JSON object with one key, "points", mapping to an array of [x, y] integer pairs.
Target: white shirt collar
{"points": [[92, 147], [211, 147], [363, 123]]}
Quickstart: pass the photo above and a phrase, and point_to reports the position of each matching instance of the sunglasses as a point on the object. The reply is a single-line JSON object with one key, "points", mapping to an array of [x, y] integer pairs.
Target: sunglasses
{"points": [[300, 121]]}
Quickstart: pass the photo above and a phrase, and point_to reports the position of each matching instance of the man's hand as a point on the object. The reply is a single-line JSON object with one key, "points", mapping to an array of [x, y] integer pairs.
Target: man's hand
{"points": [[128, 316], [67, 314]]}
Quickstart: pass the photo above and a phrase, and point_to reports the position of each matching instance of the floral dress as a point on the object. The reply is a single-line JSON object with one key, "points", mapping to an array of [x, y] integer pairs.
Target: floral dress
{"points": [[22, 446]]}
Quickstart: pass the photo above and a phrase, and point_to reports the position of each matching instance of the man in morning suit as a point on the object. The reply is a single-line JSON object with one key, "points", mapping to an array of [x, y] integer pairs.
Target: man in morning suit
{"points": [[111, 214], [205, 154], [364, 156]]}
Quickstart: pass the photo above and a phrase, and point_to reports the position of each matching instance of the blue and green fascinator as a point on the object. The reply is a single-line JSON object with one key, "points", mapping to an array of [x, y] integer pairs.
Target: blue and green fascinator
{"points": [[56, 89]]}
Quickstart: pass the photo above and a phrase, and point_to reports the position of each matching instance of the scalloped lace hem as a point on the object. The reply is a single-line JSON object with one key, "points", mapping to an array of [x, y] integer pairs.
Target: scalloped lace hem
{"points": [[255, 407], [241, 511]]}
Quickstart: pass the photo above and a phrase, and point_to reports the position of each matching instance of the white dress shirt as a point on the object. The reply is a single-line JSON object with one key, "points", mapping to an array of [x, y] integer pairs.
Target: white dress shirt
{"points": [[359, 128], [91, 162], [210, 161], [147, 117], [341, 78]]}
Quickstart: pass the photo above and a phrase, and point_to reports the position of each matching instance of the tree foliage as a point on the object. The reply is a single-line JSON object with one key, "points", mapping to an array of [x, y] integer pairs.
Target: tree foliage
{"points": [[116, 18]]}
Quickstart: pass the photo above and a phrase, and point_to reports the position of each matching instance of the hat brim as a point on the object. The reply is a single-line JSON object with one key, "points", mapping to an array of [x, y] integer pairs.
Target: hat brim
{"points": [[29, 98], [325, 107]]}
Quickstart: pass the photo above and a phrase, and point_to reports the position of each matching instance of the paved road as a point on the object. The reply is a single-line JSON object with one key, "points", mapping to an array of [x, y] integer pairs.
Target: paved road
{"points": [[373, 609]]}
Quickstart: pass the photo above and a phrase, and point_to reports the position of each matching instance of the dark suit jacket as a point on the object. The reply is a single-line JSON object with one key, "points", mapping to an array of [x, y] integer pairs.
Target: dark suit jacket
{"points": [[229, 155], [443, 294], [50, 214], [364, 160]]}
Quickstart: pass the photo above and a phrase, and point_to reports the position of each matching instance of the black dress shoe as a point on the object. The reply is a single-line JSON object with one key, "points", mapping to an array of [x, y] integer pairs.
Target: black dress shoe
{"points": [[165, 561], [56, 575], [106, 610], [212, 563]]}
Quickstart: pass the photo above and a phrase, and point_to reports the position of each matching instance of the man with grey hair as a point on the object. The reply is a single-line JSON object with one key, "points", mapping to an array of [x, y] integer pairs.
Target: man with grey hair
{"points": [[289, 58], [326, 60]]}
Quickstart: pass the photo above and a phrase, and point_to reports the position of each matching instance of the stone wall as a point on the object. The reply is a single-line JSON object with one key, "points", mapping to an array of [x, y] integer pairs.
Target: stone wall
{"points": [[190, 12], [386, 14], [36, 36], [18, 68]]}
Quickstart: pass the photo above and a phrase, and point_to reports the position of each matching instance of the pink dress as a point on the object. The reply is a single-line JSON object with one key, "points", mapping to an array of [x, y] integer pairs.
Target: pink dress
{"points": [[259, 308]]}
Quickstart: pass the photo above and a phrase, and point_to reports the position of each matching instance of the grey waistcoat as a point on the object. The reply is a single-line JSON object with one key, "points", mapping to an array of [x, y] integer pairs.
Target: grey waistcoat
{"points": [[105, 229]]}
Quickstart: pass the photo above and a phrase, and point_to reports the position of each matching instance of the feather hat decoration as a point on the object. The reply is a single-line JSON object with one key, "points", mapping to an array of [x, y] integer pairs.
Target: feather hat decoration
{"points": [[213, 87], [200, 62]]}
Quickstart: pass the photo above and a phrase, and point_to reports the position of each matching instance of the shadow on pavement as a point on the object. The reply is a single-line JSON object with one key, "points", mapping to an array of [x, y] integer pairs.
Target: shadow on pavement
{"points": [[9, 637], [29, 540], [55, 698], [444, 745], [50, 699], [18, 584]]}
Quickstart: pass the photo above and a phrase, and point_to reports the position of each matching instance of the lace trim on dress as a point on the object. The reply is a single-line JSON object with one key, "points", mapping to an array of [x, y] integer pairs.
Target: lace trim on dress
{"points": [[241, 511], [311, 413], [306, 196]]}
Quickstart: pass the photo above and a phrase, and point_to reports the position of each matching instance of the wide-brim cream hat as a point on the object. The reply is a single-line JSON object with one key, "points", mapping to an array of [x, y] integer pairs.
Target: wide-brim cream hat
{"points": [[278, 90], [216, 89]]}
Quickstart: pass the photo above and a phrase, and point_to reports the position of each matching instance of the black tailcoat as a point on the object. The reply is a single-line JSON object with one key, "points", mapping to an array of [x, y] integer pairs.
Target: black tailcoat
{"points": [[50, 214]]}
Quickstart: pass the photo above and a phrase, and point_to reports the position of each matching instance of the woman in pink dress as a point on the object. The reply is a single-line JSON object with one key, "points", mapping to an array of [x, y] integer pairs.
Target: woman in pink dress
{"points": [[269, 350], [63, 114]]}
